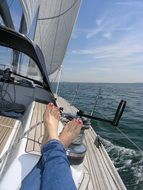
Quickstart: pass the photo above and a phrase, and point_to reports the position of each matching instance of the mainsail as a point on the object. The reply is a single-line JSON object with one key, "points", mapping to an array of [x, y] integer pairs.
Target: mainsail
{"points": [[30, 8], [54, 28]]}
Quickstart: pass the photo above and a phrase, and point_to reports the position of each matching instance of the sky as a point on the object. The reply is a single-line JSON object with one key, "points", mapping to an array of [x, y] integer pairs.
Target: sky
{"points": [[107, 43]]}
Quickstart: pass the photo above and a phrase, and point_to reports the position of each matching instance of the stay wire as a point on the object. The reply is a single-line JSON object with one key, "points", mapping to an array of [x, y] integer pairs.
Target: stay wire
{"points": [[12, 147], [5, 91], [10, 4], [95, 102], [128, 138]]}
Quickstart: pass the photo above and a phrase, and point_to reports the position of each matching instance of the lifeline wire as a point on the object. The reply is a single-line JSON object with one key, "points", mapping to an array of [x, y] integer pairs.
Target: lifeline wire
{"points": [[18, 140], [129, 139], [133, 143]]}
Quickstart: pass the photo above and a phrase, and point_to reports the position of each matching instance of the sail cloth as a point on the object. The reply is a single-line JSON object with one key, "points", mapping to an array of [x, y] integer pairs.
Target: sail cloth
{"points": [[54, 28], [30, 8]]}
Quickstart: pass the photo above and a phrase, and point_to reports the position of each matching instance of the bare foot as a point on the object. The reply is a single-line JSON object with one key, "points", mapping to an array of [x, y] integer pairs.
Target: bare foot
{"points": [[51, 120], [70, 132]]}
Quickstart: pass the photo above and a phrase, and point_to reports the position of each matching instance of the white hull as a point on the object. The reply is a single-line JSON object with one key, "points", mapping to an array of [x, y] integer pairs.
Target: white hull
{"points": [[97, 170]]}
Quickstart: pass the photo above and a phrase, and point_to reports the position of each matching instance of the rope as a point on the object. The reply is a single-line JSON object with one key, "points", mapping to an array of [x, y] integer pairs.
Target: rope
{"points": [[128, 138], [18, 141]]}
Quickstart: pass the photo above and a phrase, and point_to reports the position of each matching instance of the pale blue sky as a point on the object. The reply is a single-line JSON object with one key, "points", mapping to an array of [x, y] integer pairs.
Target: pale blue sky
{"points": [[107, 43]]}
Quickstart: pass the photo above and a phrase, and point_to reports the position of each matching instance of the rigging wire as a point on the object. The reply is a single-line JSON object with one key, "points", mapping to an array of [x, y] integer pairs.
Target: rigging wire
{"points": [[119, 130], [4, 92], [59, 78], [56, 76], [95, 102], [12, 147], [75, 95], [128, 138], [10, 4]]}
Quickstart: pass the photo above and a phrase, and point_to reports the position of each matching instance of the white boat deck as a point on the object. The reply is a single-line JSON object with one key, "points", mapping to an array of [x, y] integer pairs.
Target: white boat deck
{"points": [[36, 135], [6, 126], [8, 130], [99, 172]]}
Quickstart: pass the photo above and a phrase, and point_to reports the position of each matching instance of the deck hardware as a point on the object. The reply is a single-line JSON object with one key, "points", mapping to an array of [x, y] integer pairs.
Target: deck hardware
{"points": [[98, 141], [115, 121], [76, 153]]}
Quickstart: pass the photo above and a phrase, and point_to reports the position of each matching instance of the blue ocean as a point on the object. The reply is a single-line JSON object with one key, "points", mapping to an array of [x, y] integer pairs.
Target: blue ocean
{"points": [[103, 100]]}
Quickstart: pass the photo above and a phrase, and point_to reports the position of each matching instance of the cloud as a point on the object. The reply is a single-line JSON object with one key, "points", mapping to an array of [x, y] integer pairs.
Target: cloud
{"points": [[130, 3], [115, 19], [125, 53], [107, 35], [99, 22], [114, 50], [83, 52], [112, 47]]}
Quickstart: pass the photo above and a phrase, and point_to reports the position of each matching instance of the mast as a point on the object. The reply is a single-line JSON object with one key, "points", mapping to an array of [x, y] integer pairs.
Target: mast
{"points": [[5, 14]]}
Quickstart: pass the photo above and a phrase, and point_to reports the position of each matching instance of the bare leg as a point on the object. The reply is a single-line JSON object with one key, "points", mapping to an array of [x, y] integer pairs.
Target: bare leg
{"points": [[51, 121], [53, 170]]}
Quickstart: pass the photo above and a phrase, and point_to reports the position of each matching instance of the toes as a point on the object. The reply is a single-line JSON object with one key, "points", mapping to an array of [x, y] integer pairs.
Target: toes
{"points": [[74, 124], [77, 122], [49, 106], [55, 111], [80, 123]]}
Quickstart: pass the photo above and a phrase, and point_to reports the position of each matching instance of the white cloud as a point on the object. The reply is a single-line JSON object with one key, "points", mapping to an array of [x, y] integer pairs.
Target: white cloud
{"points": [[83, 52], [130, 3], [107, 35], [99, 22], [114, 52]]}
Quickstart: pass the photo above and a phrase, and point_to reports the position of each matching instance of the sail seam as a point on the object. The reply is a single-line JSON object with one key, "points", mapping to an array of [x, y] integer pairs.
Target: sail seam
{"points": [[48, 18], [55, 37]]}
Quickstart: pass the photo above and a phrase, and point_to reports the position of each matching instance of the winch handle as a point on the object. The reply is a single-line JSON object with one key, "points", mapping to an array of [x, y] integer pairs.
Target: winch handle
{"points": [[119, 113]]}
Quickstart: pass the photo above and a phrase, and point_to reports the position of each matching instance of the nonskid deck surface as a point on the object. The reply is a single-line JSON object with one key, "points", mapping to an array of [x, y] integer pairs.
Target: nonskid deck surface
{"points": [[6, 127], [99, 172], [35, 136]]}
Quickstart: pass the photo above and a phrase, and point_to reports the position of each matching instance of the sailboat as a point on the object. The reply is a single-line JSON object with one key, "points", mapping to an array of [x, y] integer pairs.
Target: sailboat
{"points": [[28, 57]]}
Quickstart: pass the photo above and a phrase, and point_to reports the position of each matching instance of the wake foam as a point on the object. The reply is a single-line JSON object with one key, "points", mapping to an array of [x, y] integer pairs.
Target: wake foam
{"points": [[127, 161]]}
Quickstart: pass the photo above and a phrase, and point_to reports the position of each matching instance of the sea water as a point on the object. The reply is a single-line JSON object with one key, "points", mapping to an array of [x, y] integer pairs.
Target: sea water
{"points": [[105, 99]]}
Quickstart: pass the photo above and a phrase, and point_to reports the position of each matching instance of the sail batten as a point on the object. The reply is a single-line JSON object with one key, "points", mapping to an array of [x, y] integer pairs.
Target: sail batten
{"points": [[54, 28]]}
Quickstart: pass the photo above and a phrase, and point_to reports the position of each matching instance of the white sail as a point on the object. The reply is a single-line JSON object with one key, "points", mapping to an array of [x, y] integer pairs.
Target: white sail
{"points": [[30, 8], [54, 28]]}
